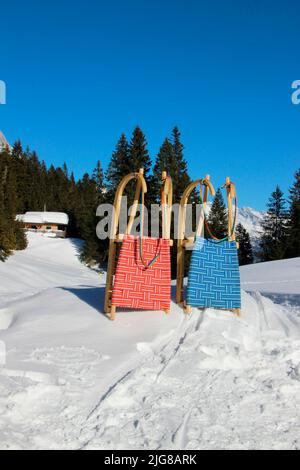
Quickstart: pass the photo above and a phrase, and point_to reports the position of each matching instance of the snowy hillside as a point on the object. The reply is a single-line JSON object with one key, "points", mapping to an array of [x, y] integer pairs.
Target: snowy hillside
{"points": [[277, 277], [72, 379]]}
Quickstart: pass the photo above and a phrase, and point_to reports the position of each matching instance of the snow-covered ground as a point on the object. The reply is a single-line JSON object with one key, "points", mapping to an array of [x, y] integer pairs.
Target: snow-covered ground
{"points": [[72, 379], [277, 280]]}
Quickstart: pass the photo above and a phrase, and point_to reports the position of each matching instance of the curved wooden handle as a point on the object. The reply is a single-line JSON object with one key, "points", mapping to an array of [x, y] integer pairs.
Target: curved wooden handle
{"points": [[166, 201], [181, 242], [208, 188], [141, 184], [231, 194], [184, 200], [122, 185]]}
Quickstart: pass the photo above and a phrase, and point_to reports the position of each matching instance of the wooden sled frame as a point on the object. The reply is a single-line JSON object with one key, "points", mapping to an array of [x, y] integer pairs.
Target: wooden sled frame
{"points": [[231, 195], [115, 237], [167, 202], [182, 241]]}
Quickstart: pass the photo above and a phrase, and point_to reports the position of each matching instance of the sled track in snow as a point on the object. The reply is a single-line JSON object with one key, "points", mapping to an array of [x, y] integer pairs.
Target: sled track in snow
{"points": [[140, 386], [197, 387], [159, 360], [169, 400]]}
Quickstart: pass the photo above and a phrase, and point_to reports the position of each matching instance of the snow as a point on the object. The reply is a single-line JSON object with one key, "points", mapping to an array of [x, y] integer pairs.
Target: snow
{"points": [[75, 380], [3, 142], [251, 219], [44, 218], [281, 277], [277, 280]]}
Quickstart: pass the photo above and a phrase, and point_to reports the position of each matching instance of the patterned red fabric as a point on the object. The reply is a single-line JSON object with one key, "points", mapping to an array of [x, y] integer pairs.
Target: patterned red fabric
{"points": [[139, 288]]}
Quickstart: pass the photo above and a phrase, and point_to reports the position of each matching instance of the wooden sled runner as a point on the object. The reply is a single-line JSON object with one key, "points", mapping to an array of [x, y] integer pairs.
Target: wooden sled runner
{"points": [[142, 277], [213, 280]]}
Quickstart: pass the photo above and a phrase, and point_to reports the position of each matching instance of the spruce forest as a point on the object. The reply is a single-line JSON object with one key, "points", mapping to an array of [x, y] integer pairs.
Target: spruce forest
{"points": [[27, 184]]}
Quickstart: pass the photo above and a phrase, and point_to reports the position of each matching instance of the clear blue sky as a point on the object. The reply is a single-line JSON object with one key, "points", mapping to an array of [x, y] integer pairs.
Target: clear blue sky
{"points": [[79, 73]]}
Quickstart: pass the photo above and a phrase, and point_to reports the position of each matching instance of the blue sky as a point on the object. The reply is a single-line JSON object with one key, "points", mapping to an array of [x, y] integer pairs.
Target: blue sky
{"points": [[80, 73]]}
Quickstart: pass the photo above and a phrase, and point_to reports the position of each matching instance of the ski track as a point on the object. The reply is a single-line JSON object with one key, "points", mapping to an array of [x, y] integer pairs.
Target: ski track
{"points": [[169, 400], [153, 408], [214, 382]]}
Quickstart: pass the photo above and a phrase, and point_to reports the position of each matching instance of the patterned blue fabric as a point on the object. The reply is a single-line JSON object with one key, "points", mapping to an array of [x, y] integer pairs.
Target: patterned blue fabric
{"points": [[214, 277]]}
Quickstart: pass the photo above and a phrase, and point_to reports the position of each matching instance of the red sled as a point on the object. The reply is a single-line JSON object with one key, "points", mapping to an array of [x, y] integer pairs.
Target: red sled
{"points": [[142, 276], [138, 287]]}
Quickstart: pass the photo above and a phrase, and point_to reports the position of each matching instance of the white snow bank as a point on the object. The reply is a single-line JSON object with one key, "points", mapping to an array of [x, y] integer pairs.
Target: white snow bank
{"points": [[275, 276], [73, 379], [44, 264]]}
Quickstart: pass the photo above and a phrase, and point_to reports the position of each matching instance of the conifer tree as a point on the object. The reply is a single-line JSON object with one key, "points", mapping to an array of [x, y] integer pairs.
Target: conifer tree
{"points": [[164, 162], [91, 195], [138, 153], [179, 171], [218, 218], [138, 158], [21, 162], [245, 251], [33, 181], [98, 177], [293, 231], [26, 184], [274, 225], [4, 242], [118, 167], [12, 237], [71, 209], [171, 159]]}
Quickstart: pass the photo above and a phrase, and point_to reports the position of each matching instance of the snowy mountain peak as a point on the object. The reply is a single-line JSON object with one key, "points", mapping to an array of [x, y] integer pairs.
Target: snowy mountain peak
{"points": [[4, 145], [251, 219]]}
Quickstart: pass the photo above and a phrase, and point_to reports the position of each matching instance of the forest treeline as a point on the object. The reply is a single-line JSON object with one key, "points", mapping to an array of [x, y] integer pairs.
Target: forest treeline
{"points": [[27, 184]]}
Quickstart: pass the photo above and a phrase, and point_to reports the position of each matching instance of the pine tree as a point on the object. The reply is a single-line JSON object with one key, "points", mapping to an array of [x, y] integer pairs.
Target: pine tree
{"points": [[118, 167], [179, 172], [34, 188], [138, 158], [138, 153], [21, 161], [97, 249], [293, 232], [4, 242], [65, 170], [12, 236], [71, 209], [26, 184], [245, 251], [164, 161], [171, 159], [90, 192], [218, 218], [98, 177], [51, 195], [273, 239]]}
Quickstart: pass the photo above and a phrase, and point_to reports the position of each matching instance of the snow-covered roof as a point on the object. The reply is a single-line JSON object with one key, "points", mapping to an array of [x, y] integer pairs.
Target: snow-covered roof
{"points": [[44, 218]]}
